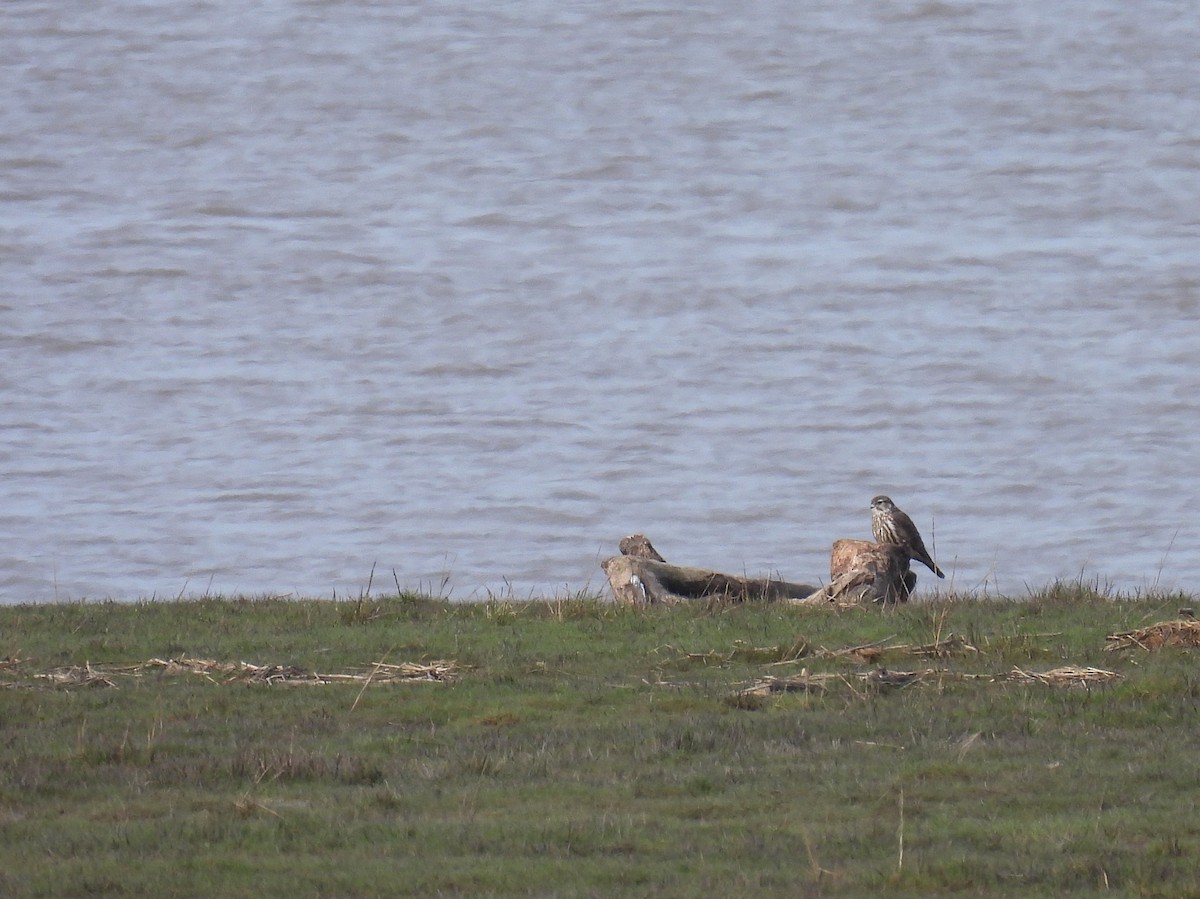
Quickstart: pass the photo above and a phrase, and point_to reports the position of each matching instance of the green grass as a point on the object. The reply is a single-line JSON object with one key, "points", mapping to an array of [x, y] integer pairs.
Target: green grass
{"points": [[593, 750]]}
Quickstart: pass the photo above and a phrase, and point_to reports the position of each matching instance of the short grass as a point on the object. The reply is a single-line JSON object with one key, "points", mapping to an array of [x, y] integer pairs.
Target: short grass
{"points": [[591, 750]]}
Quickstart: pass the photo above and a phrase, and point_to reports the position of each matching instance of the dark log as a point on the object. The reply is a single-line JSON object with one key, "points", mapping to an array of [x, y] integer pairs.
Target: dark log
{"points": [[640, 581], [861, 572]]}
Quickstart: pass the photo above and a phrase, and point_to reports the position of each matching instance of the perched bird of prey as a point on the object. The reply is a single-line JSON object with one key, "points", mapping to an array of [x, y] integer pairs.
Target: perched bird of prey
{"points": [[890, 525]]}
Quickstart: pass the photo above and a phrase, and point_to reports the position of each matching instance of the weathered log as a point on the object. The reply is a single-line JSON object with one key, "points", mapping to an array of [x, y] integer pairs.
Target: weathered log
{"points": [[640, 581], [640, 547], [862, 571]]}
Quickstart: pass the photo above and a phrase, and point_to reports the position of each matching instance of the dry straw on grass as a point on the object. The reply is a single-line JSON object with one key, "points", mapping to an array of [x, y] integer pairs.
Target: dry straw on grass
{"points": [[819, 683], [1183, 632], [951, 645], [1067, 676], [244, 672], [800, 649], [77, 676], [884, 678], [74, 676]]}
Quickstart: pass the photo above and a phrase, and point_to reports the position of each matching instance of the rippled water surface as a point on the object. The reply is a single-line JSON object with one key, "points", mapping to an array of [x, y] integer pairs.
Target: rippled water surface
{"points": [[466, 292]]}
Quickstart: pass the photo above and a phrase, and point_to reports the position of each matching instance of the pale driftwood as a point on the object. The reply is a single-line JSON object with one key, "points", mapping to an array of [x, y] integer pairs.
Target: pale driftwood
{"points": [[639, 581], [640, 547], [862, 571]]}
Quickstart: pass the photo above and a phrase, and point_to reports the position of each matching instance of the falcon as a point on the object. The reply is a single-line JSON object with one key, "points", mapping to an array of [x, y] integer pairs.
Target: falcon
{"points": [[889, 524]]}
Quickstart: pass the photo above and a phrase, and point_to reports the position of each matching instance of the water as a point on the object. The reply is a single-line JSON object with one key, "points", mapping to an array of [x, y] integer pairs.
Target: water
{"points": [[465, 293]]}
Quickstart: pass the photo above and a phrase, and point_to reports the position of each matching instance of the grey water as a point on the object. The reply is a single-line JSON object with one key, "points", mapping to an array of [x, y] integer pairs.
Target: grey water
{"points": [[463, 293]]}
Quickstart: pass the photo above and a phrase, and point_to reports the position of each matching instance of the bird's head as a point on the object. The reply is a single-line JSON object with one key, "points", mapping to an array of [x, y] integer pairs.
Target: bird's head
{"points": [[882, 504]]}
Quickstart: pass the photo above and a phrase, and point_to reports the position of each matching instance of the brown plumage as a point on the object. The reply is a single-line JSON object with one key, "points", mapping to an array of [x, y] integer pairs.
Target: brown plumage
{"points": [[890, 525]]}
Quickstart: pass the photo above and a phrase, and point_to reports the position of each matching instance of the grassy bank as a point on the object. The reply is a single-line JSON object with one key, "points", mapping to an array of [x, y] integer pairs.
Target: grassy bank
{"points": [[575, 748]]}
